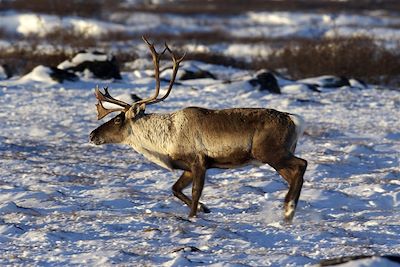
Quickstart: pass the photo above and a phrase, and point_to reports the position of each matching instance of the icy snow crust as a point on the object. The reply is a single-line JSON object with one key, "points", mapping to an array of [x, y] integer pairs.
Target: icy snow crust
{"points": [[66, 202]]}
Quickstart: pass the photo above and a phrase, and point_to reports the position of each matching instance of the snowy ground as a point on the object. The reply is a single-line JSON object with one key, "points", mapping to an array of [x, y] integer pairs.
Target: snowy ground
{"points": [[64, 201]]}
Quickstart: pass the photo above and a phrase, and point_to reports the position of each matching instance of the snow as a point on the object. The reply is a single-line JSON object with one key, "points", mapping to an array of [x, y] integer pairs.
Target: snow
{"points": [[82, 57], [66, 202], [251, 24], [38, 74], [42, 24]]}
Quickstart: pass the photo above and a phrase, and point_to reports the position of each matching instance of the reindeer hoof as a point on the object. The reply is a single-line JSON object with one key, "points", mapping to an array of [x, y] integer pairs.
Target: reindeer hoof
{"points": [[290, 208], [288, 220], [204, 209]]}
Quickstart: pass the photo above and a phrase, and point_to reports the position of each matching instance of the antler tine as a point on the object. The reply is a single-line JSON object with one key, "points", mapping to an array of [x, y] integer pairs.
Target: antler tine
{"points": [[151, 46], [102, 111], [175, 68], [106, 97], [156, 62], [173, 55]]}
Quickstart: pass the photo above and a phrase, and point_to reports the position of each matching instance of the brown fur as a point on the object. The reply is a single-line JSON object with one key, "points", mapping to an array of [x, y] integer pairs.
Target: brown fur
{"points": [[196, 139]]}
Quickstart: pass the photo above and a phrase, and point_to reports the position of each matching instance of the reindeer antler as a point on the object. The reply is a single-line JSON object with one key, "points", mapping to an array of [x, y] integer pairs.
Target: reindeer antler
{"points": [[156, 61], [176, 61], [106, 97]]}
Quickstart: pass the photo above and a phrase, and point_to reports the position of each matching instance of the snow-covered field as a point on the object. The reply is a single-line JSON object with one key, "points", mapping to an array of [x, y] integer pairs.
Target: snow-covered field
{"points": [[66, 202]]}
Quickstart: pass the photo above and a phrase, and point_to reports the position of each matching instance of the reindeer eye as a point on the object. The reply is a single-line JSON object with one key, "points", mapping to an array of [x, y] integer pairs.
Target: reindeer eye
{"points": [[117, 120]]}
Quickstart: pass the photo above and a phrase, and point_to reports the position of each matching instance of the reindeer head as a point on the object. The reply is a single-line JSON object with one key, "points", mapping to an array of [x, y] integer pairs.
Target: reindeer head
{"points": [[117, 129]]}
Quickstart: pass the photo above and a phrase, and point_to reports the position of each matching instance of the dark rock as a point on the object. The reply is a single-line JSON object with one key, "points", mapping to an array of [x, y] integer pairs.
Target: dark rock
{"points": [[327, 81], [309, 101], [357, 83], [313, 87], [42, 73], [99, 64], [341, 260], [394, 258], [198, 74], [266, 81], [100, 69], [135, 98], [5, 72], [335, 82], [62, 75]]}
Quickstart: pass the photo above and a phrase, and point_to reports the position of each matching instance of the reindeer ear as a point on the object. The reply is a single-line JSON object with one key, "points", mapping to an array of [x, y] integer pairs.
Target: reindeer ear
{"points": [[135, 110]]}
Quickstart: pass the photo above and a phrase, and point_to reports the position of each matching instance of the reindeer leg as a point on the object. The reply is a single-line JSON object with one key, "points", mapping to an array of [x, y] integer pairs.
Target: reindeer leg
{"points": [[292, 170], [184, 181], [198, 172]]}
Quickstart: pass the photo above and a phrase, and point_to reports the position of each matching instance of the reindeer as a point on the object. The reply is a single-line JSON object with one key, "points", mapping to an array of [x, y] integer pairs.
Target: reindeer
{"points": [[195, 139]]}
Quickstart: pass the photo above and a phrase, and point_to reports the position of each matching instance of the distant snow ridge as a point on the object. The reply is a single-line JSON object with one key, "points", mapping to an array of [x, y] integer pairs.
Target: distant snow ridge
{"points": [[49, 75], [42, 24]]}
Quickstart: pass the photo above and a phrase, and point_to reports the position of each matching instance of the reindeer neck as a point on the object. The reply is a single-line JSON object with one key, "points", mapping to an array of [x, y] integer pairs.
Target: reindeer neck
{"points": [[151, 135]]}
